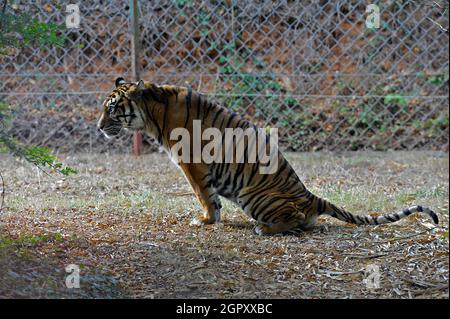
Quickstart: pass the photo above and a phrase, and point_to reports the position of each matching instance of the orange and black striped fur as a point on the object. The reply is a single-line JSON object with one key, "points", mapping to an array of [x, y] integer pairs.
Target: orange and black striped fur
{"points": [[278, 202]]}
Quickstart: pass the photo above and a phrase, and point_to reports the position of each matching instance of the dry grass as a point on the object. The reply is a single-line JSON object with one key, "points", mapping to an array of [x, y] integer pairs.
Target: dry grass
{"points": [[125, 221]]}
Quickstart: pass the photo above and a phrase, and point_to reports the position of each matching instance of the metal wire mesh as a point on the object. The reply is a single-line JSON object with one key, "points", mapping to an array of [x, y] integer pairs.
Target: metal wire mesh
{"points": [[311, 68]]}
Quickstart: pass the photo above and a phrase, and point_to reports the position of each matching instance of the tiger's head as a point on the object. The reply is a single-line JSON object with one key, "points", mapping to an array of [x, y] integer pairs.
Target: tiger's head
{"points": [[121, 108]]}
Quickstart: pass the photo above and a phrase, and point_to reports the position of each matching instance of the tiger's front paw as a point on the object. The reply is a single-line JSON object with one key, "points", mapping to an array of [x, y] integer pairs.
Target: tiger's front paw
{"points": [[205, 220], [197, 221]]}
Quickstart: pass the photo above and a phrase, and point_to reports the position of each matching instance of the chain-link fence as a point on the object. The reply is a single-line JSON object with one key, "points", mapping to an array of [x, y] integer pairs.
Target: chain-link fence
{"points": [[311, 68]]}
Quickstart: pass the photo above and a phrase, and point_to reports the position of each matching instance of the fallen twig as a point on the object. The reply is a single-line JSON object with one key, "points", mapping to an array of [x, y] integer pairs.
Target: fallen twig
{"points": [[428, 290], [330, 274], [425, 284], [404, 237], [438, 25], [365, 256]]}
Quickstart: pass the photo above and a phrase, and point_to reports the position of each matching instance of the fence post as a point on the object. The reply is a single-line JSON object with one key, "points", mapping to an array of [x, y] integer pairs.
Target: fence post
{"points": [[134, 15]]}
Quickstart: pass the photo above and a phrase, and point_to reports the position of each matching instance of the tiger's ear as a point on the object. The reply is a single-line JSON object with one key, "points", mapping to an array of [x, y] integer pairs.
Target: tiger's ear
{"points": [[120, 81], [140, 85]]}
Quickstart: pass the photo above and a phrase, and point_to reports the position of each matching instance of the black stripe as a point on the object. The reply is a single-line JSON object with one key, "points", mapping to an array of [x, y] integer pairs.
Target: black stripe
{"points": [[245, 150], [131, 114], [320, 205], [151, 119], [159, 138], [166, 107], [283, 166], [407, 212], [225, 169], [233, 115], [292, 172], [153, 95], [286, 198], [256, 192], [237, 173], [216, 116], [208, 108], [211, 195], [199, 102], [188, 105], [274, 211], [435, 217], [303, 206], [349, 217], [259, 190], [389, 218], [291, 188], [221, 128], [217, 175], [241, 183], [359, 219], [215, 169], [263, 181], [252, 174], [208, 184], [227, 180], [205, 176], [220, 170]]}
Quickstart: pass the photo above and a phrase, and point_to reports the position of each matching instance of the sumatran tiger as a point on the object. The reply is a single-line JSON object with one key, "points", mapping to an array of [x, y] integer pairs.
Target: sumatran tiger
{"points": [[278, 201]]}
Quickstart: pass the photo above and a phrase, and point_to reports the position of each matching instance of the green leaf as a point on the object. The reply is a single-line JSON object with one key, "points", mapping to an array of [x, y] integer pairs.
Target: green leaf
{"points": [[439, 79], [68, 170], [396, 98]]}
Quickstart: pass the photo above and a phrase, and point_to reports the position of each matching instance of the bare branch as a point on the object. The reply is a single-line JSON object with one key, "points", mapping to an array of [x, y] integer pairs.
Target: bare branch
{"points": [[438, 24], [3, 193]]}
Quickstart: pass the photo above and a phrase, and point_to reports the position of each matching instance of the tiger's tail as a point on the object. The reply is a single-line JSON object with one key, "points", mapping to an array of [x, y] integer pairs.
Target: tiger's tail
{"points": [[326, 208]]}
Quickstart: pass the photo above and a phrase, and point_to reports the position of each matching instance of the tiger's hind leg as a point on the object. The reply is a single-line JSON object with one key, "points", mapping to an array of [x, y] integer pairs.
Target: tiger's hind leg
{"points": [[197, 177]]}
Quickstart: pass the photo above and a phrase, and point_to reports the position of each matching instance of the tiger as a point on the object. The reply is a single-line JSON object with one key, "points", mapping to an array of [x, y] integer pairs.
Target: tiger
{"points": [[278, 202]]}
